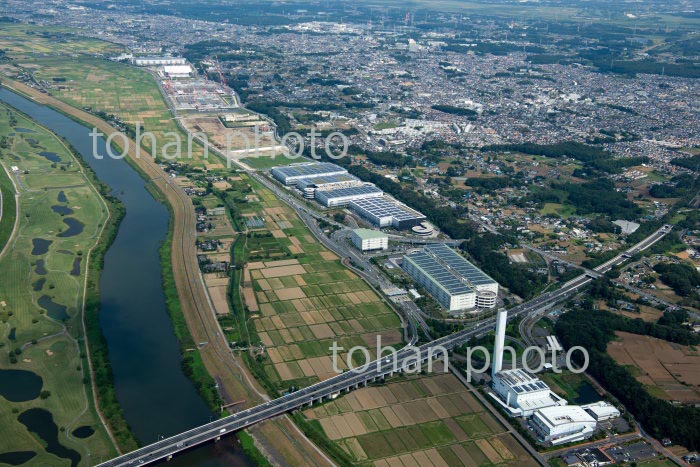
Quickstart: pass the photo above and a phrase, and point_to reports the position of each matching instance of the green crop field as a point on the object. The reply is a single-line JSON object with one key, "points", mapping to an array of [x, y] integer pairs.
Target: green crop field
{"points": [[298, 297], [42, 291], [20, 40], [126, 91], [413, 420]]}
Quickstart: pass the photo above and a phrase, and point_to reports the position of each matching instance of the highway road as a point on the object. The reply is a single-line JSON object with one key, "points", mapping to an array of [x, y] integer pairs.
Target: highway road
{"points": [[405, 358]]}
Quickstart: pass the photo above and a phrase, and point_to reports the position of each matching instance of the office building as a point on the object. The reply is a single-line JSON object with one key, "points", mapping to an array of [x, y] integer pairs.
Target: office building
{"points": [[368, 240]]}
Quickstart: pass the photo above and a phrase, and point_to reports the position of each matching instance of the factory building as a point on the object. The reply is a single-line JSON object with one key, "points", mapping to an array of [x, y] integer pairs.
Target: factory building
{"points": [[158, 61], [328, 182], [290, 174], [524, 395], [452, 280], [601, 411], [386, 212], [521, 393], [343, 196], [560, 425], [517, 391], [369, 240]]}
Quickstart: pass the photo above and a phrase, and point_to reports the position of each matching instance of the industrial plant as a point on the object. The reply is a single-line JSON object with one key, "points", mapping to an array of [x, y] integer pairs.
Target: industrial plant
{"points": [[549, 416]]}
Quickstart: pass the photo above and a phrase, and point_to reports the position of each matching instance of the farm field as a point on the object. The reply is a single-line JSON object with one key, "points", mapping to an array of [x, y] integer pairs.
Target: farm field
{"points": [[19, 40], [298, 296], [669, 371], [128, 92], [428, 420], [42, 276]]}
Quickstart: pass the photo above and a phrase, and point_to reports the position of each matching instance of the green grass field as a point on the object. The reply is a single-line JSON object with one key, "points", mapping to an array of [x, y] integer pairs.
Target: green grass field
{"points": [[128, 92], [563, 210], [47, 333], [9, 210], [21, 40]]}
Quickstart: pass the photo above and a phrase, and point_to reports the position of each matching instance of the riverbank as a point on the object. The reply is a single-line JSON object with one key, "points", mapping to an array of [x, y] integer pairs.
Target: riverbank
{"points": [[232, 376], [43, 273], [182, 247]]}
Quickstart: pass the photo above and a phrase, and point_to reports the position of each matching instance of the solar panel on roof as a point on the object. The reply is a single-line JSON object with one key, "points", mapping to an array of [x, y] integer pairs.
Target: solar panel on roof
{"points": [[307, 170], [382, 207], [518, 389], [350, 191], [439, 274], [459, 264]]}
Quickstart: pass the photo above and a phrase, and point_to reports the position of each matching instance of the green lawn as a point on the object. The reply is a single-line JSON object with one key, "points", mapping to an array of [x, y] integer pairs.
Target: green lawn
{"points": [[47, 350], [7, 221], [564, 210]]}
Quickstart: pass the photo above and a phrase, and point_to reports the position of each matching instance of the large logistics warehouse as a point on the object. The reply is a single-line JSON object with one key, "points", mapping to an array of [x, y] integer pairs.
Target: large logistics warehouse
{"points": [[290, 174], [158, 61], [345, 195], [385, 212], [452, 280]]}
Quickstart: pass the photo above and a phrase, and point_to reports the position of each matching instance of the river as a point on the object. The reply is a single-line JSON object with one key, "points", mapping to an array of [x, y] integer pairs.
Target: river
{"points": [[157, 398]]}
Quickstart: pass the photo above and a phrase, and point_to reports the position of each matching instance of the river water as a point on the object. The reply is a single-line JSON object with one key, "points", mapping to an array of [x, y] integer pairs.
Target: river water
{"points": [[157, 398]]}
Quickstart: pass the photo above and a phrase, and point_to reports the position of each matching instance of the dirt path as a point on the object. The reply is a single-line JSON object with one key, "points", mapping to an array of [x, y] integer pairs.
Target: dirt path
{"points": [[198, 310]]}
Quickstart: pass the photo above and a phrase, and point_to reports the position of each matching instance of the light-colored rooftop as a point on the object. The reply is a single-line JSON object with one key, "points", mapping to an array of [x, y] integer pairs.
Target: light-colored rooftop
{"points": [[366, 234]]}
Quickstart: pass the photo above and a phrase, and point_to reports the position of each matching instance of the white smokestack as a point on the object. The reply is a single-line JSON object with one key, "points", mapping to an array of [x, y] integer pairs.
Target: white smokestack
{"points": [[500, 341]]}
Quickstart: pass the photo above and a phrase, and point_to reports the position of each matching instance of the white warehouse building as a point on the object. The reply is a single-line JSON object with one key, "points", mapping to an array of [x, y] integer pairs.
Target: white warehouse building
{"points": [[368, 240], [158, 61], [343, 196], [452, 280], [560, 425], [290, 174]]}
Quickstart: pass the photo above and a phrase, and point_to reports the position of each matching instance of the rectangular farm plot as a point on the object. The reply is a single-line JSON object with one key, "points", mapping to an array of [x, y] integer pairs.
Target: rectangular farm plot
{"points": [[424, 420]]}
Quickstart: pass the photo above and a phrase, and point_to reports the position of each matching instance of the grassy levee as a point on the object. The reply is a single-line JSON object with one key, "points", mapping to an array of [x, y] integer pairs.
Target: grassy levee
{"points": [[192, 363], [9, 208], [248, 445], [313, 430]]}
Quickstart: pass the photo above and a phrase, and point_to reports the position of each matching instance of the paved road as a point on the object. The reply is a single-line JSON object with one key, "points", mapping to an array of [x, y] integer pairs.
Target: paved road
{"points": [[406, 358]]}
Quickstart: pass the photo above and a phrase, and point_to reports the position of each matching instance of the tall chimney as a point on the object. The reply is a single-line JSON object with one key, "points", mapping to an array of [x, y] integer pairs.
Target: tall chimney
{"points": [[500, 341]]}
